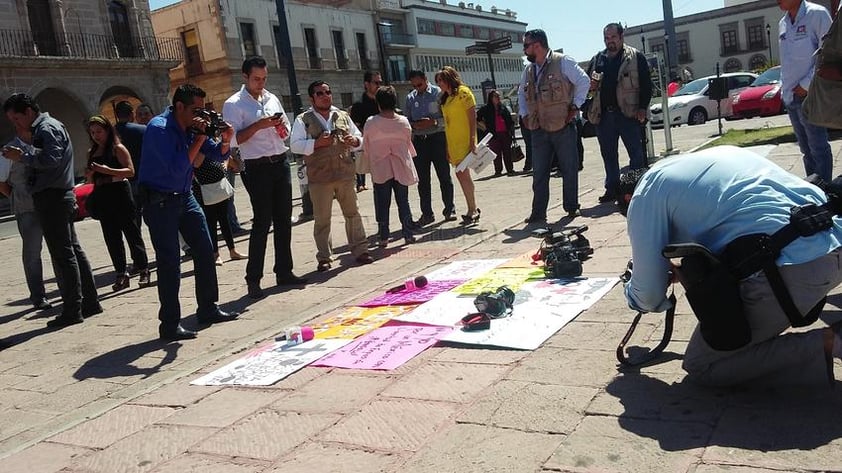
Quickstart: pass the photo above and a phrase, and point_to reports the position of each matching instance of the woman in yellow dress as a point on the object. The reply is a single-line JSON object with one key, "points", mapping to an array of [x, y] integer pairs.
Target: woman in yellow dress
{"points": [[458, 107]]}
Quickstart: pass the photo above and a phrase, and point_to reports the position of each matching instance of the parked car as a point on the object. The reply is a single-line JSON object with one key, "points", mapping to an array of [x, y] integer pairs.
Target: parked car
{"points": [[691, 104], [762, 97]]}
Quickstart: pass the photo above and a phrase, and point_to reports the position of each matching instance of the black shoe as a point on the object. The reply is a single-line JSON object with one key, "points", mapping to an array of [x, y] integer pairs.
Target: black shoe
{"points": [[534, 219], [365, 258], [574, 213], [469, 219], [91, 310], [512, 173], [526, 170], [121, 282], [217, 317], [254, 291], [42, 304], [289, 279], [64, 321], [607, 197], [425, 220], [180, 333], [240, 232], [449, 216]]}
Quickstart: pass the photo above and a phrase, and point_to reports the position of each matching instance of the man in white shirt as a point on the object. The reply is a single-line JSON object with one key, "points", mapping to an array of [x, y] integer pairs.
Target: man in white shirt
{"points": [[261, 125], [800, 33], [326, 136]]}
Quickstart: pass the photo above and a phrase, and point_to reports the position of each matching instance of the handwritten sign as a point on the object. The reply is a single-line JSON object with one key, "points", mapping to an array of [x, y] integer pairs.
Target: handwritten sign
{"points": [[446, 309], [351, 322], [541, 309], [270, 363], [414, 296], [464, 269], [385, 348], [490, 281]]}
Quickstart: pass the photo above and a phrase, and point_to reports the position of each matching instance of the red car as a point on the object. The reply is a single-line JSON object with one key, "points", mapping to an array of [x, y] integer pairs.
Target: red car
{"points": [[762, 97]]}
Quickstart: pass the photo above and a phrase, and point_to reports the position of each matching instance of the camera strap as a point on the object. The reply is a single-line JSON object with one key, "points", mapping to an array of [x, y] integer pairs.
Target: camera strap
{"points": [[752, 253], [669, 320]]}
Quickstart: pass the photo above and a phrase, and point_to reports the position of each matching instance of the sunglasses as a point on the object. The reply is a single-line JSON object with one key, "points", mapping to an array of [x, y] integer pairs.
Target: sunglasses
{"points": [[527, 45], [320, 93]]}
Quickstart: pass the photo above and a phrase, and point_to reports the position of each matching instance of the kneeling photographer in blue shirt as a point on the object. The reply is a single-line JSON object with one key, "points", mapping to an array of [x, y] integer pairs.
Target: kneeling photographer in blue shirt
{"points": [[759, 250]]}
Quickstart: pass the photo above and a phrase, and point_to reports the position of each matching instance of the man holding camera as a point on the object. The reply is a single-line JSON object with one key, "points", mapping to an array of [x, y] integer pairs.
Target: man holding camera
{"points": [[261, 127], [173, 140], [326, 136], [622, 90], [763, 270]]}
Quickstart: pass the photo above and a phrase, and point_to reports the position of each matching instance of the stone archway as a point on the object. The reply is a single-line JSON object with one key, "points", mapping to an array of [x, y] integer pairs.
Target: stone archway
{"points": [[66, 108], [116, 94]]}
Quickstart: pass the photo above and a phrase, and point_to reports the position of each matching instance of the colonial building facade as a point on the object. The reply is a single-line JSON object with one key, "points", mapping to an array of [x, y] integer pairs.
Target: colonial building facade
{"points": [[335, 41], [78, 57], [742, 36]]}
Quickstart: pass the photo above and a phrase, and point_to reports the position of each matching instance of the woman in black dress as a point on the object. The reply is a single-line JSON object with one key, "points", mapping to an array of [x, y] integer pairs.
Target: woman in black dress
{"points": [[109, 167]]}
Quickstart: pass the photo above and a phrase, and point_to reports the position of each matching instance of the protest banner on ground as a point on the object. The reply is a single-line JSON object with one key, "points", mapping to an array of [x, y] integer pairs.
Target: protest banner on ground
{"points": [[413, 296], [351, 322], [464, 269]]}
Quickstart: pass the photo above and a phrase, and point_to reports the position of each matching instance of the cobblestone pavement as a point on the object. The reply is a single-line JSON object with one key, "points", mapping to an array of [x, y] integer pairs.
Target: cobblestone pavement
{"points": [[106, 396]]}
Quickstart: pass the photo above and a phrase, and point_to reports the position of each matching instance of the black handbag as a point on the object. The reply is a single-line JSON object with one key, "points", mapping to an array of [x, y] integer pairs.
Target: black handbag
{"points": [[517, 152]]}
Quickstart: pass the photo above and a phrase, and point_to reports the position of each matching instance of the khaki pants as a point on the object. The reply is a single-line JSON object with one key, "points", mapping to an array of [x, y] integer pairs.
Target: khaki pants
{"points": [[791, 358], [345, 193]]}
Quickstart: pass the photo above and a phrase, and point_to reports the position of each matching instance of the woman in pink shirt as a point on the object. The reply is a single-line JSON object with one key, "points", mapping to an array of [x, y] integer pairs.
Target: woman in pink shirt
{"points": [[388, 145]]}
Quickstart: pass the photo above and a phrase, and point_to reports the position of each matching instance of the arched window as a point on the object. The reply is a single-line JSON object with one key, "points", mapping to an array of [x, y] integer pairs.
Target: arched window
{"points": [[41, 24], [733, 65], [120, 28], [757, 62]]}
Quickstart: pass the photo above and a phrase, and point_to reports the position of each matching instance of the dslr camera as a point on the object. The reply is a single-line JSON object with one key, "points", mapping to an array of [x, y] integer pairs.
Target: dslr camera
{"points": [[215, 122], [563, 252]]}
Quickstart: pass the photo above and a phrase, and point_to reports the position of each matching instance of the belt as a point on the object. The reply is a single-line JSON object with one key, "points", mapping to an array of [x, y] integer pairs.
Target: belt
{"points": [[611, 108], [275, 158], [428, 135]]}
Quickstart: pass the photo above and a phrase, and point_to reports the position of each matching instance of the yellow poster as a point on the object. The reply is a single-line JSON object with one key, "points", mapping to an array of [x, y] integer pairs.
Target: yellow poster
{"points": [[351, 322], [526, 260], [490, 281]]}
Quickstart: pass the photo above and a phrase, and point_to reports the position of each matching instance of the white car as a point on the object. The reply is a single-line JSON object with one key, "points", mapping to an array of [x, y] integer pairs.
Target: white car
{"points": [[690, 104]]}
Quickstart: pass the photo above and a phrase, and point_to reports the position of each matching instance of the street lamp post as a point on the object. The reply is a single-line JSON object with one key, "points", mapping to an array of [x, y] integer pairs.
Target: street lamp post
{"points": [[769, 42], [643, 42], [285, 51]]}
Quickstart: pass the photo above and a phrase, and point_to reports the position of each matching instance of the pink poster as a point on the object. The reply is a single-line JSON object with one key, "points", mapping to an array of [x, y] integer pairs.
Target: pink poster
{"points": [[385, 348], [414, 296]]}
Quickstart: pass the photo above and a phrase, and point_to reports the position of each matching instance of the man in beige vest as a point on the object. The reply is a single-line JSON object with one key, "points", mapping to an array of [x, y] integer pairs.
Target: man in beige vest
{"points": [[326, 136], [622, 91], [552, 90]]}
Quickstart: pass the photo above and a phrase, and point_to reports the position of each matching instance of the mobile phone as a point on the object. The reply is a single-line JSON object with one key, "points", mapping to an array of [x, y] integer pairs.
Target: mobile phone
{"points": [[277, 116]]}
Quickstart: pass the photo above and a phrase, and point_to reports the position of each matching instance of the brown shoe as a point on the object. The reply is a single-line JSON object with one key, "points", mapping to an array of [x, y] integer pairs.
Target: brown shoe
{"points": [[365, 258]]}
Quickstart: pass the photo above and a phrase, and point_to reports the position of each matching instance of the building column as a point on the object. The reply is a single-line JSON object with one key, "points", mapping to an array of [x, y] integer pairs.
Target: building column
{"points": [[60, 26]]}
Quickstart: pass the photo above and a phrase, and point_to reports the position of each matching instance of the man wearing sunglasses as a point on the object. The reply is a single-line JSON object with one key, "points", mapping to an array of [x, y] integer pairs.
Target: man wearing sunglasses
{"points": [[326, 136], [552, 90]]}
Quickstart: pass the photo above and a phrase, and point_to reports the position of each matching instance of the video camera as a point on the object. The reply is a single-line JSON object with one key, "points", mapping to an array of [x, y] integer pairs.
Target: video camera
{"points": [[216, 124], [563, 252]]}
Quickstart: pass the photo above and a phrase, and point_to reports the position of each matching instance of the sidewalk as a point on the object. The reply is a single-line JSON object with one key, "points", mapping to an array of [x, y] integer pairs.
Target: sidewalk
{"points": [[106, 396]]}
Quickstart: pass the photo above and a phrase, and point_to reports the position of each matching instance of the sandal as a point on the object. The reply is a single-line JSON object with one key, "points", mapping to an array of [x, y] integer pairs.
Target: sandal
{"points": [[470, 218]]}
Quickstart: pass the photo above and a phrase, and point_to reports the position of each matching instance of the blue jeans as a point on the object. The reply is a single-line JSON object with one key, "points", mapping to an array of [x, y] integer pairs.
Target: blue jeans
{"points": [[432, 150], [56, 209], [612, 127], [545, 145], [167, 215], [270, 190], [382, 202], [812, 141], [31, 237]]}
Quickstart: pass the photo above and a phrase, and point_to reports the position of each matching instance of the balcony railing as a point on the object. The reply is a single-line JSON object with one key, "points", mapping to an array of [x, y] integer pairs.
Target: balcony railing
{"points": [[20, 43], [392, 38]]}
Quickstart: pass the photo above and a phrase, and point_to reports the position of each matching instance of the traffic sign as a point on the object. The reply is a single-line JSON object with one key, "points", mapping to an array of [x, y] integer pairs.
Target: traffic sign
{"points": [[476, 48], [500, 44]]}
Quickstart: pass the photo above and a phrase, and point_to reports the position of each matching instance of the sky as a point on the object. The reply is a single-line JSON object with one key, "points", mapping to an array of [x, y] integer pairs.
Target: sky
{"points": [[576, 25]]}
